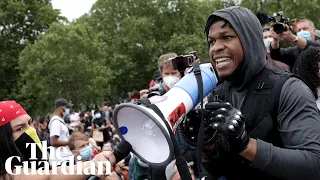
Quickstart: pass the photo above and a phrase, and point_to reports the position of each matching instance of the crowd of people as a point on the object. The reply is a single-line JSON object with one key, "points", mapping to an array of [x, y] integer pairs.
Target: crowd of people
{"points": [[85, 133], [265, 108]]}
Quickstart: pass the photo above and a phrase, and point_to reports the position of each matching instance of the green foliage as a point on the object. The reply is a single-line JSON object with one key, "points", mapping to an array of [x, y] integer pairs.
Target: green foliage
{"points": [[108, 52], [67, 62], [20, 22], [138, 32]]}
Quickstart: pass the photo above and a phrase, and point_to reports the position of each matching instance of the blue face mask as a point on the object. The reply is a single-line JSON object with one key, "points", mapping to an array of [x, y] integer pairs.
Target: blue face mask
{"points": [[97, 115], [304, 34], [86, 153], [66, 112]]}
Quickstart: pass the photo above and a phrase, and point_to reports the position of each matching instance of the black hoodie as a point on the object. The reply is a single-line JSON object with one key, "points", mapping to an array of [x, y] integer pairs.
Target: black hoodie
{"points": [[298, 117], [249, 30]]}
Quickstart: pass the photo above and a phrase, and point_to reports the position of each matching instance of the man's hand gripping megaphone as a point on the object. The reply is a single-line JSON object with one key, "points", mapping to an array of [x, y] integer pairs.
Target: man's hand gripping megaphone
{"points": [[229, 125]]}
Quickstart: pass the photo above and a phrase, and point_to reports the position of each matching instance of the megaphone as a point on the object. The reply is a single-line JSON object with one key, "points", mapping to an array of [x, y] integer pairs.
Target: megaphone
{"points": [[146, 131]]}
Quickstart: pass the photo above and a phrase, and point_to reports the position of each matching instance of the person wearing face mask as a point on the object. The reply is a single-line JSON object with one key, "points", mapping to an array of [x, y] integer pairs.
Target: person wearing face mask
{"points": [[305, 37], [59, 131], [267, 40], [16, 132], [80, 146], [169, 76], [100, 123], [166, 75]]}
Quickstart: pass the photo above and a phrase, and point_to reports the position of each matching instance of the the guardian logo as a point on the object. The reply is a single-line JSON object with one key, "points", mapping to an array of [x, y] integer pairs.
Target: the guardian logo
{"points": [[78, 168]]}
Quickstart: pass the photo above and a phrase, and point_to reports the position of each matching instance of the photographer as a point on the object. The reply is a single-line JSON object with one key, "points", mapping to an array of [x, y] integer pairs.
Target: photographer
{"points": [[276, 134], [171, 70], [305, 37], [267, 39], [168, 75]]}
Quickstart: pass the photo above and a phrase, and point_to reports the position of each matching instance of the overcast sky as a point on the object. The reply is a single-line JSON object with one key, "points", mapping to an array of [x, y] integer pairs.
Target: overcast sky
{"points": [[73, 9]]}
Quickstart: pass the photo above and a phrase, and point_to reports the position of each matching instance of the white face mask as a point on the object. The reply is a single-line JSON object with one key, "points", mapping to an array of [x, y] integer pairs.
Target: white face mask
{"points": [[267, 42], [170, 81], [98, 115]]}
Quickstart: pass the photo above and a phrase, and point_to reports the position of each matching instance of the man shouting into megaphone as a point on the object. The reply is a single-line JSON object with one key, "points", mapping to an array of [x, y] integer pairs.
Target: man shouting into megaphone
{"points": [[276, 134]]}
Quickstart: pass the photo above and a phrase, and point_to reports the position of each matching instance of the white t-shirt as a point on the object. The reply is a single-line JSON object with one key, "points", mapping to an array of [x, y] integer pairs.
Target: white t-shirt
{"points": [[74, 117], [57, 127], [74, 120]]}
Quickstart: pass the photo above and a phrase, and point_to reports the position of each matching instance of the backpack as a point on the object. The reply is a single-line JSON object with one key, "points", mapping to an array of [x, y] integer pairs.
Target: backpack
{"points": [[48, 134]]}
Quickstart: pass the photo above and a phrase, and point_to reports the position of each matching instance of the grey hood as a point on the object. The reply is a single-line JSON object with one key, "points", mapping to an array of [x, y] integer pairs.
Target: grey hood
{"points": [[249, 30]]}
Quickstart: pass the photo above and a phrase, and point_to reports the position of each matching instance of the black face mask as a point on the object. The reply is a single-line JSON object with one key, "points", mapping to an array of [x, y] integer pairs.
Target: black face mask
{"points": [[30, 136]]}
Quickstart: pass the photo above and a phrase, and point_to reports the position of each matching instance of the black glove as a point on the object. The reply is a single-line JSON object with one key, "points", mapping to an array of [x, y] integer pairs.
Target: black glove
{"points": [[230, 125]]}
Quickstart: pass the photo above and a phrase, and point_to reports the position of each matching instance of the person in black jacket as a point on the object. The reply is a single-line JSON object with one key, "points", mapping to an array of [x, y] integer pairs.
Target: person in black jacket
{"points": [[100, 123], [266, 119]]}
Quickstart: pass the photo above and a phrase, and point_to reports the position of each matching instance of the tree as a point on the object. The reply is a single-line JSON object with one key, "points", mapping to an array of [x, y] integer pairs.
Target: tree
{"points": [[20, 22], [68, 62], [137, 32], [297, 9]]}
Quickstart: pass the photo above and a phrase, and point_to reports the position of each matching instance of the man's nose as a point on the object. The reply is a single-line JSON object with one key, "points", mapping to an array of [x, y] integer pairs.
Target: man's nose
{"points": [[217, 47]]}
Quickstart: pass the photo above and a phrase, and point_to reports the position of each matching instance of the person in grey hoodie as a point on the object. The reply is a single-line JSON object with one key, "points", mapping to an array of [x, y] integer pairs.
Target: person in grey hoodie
{"points": [[267, 119]]}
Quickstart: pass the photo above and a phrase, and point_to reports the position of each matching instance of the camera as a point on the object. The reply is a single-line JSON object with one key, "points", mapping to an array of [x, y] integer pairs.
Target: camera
{"points": [[155, 91], [280, 22], [182, 62]]}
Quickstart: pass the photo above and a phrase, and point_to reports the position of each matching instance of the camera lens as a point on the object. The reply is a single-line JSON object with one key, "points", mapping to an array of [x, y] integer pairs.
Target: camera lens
{"points": [[190, 61], [279, 28]]}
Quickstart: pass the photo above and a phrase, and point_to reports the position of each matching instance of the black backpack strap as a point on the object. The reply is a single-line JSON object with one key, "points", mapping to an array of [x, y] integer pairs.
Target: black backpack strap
{"points": [[221, 92], [49, 125], [277, 91], [200, 140], [274, 103], [275, 87]]}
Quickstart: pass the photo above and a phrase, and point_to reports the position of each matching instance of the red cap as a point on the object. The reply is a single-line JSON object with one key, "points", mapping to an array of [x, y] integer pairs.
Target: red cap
{"points": [[10, 110]]}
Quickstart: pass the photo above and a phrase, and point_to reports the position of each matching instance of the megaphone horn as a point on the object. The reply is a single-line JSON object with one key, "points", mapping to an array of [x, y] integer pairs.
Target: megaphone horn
{"points": [[144, 129]]}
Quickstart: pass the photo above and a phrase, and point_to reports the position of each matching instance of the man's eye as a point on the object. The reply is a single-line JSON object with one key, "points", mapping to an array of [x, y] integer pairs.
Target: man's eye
{"points": [[211, 43], [227, 37]]}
